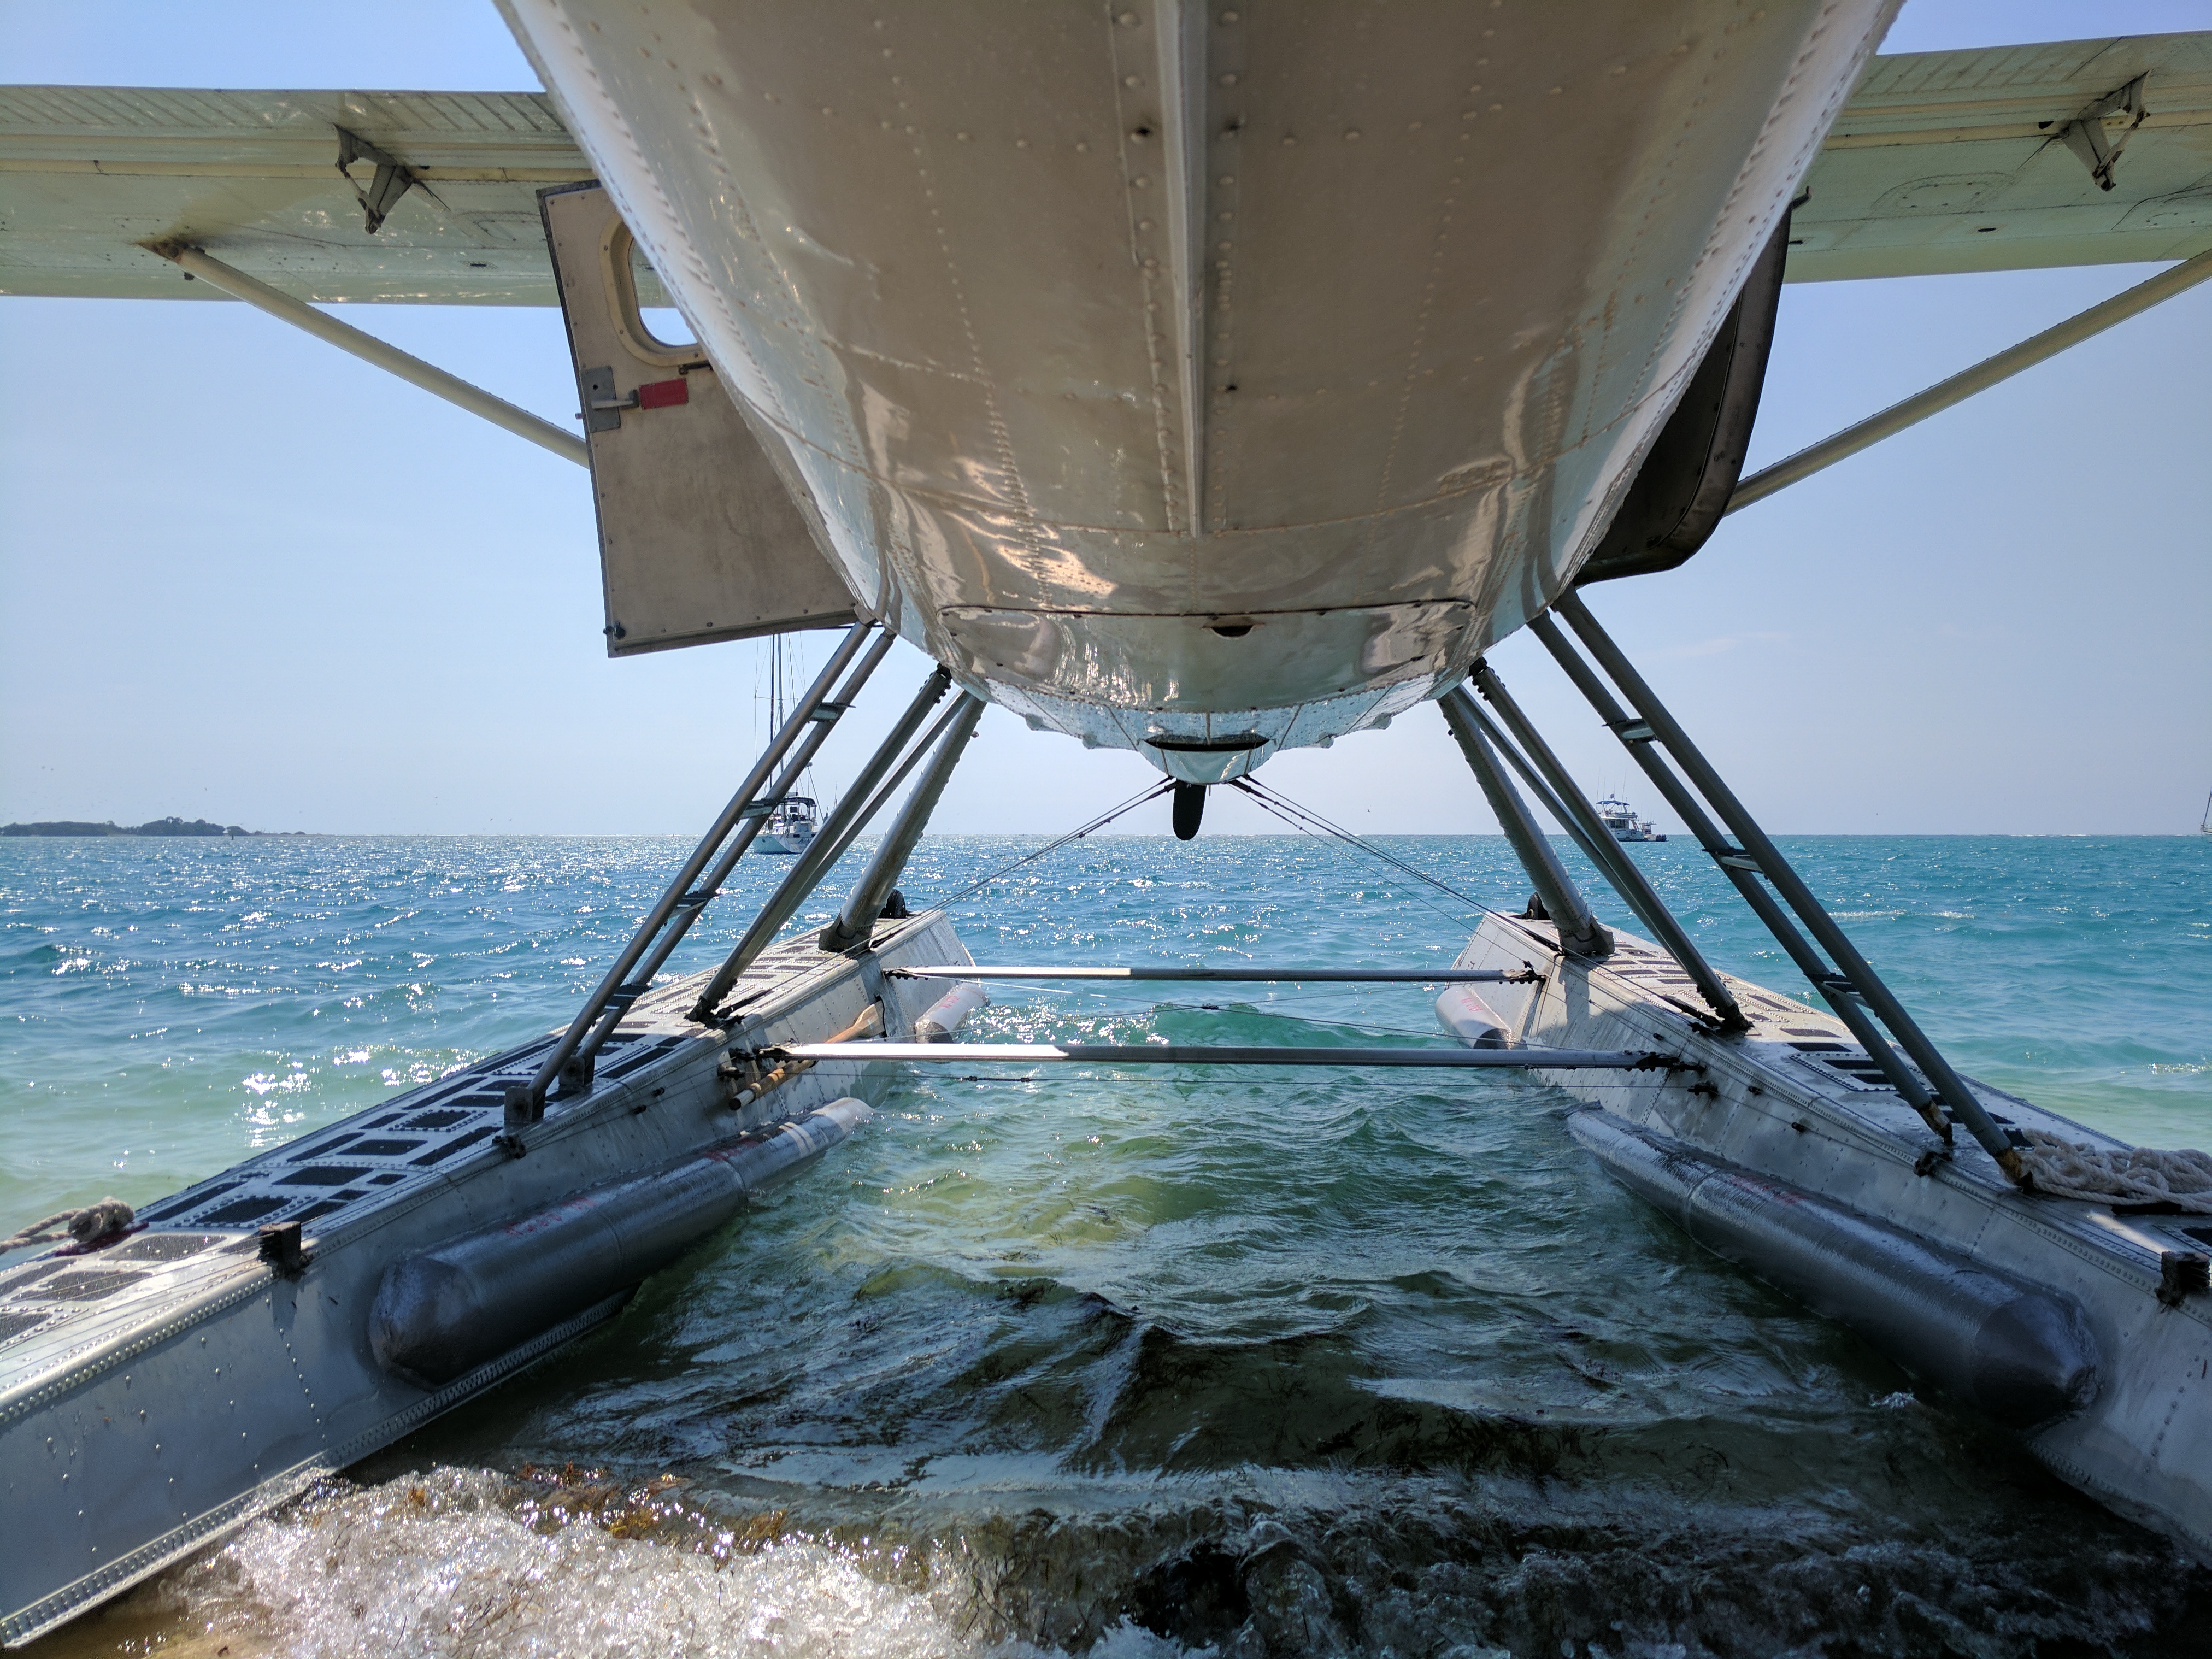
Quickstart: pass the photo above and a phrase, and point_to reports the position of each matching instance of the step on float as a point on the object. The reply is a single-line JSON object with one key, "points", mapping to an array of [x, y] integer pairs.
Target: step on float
{"points": [[2080, 1322], [312, 1305]]}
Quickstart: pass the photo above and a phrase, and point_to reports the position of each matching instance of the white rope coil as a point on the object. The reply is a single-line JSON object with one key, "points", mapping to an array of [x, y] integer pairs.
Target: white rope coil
{"points": [[95, 1221], [2131, 1174]]}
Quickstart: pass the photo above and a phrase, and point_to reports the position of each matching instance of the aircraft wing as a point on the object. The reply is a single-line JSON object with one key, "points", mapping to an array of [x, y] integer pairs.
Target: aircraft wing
{"points": [[87, 173], [1987, 161], [1941, 161]]}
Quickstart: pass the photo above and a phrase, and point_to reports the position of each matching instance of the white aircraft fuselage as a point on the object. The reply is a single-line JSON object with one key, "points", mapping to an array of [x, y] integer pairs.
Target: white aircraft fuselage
{"points": [[1231, 375]]}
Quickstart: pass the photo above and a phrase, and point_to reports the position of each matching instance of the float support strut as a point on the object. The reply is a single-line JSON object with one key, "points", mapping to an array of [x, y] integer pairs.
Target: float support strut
{"points": [[861, 802], [679, 906], [1855, 990], [819, 719], [1739, 871], [1558, 794], [1579, 932], [855, 920]]}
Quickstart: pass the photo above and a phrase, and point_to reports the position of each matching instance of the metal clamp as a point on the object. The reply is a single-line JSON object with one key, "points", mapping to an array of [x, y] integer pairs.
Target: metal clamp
{"points": [[394, 179], [281, 1249], [2085, 134]]}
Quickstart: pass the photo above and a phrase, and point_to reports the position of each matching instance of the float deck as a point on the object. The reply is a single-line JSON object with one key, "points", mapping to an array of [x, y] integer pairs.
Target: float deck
{"points": [[1793, 1114], [161, 1391]]}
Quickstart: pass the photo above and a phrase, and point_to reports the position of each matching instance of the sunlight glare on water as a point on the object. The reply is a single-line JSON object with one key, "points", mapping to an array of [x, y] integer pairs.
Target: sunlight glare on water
{"points": [[1251, 1362]]}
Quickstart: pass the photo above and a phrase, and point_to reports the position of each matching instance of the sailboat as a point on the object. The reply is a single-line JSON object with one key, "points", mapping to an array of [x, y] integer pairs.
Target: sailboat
{"points": [[2205, 828], [794, 821]]}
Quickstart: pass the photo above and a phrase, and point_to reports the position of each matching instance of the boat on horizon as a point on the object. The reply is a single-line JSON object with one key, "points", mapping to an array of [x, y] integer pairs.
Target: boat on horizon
{"points": [[791, 826], [1621, 820]]}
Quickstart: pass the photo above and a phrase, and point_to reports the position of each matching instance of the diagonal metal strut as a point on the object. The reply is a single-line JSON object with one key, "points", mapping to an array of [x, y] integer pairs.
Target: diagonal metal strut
{"points": [[1558, 794], [752, 820], [1740, 872], [367, 347], [862, 800], [679, 906], [1840, 445], [1579, 932], [1852, 988], [854, 924]]}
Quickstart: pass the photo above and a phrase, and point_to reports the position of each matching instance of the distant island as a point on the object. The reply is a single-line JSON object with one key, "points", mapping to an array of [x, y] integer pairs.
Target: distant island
{"points": [[158, 827]]}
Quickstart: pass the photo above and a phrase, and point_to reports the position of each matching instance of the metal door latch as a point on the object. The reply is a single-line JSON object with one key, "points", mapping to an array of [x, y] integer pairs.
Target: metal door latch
{"points": [[603, 409]]}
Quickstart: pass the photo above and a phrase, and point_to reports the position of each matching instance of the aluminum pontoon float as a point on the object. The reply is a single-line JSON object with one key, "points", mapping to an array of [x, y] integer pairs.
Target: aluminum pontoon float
{"points": [[288, 1316]]}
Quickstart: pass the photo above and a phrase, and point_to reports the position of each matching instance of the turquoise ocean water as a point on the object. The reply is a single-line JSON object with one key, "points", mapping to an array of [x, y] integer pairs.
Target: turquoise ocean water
{"points": [[1260, 1363]]}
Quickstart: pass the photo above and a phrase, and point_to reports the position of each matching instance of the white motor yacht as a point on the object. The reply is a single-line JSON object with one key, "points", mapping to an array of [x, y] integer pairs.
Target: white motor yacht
{"points": [[1621, 819]]}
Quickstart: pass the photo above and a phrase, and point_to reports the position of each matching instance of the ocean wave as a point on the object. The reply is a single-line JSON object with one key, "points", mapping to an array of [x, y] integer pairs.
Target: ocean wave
{"points": [[465, 1562], [449, 1561]]}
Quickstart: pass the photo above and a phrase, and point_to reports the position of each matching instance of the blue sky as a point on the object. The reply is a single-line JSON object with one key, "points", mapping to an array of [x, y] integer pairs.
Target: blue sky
{"points": [[246, 577]]}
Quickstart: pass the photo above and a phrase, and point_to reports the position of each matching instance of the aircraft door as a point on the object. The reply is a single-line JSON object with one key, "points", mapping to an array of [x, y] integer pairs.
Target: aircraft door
{"points": [[701, 537]]}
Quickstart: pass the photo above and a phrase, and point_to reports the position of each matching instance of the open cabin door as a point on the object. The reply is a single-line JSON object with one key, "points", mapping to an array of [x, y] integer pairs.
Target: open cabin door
{"points": [[700, 536]]}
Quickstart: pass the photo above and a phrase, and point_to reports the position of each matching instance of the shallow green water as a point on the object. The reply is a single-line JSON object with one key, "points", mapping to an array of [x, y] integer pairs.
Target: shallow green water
{"points": [[1315, 1363]]}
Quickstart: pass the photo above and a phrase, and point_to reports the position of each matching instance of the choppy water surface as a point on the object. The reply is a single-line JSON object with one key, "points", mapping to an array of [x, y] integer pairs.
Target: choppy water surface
{"points": [[1295, 1363]]}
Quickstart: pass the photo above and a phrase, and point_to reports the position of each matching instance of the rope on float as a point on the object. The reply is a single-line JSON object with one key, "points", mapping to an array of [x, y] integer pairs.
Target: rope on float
{"points": [[104, 1219], [2122, 1175]]}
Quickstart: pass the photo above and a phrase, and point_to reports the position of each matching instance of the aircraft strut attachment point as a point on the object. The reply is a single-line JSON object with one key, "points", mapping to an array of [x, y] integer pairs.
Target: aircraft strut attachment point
{"points": [[394, 179]]}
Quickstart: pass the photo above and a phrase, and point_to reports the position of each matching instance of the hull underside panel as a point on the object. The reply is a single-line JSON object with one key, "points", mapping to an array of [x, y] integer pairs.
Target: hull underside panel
{"points": [[1154, 366]]}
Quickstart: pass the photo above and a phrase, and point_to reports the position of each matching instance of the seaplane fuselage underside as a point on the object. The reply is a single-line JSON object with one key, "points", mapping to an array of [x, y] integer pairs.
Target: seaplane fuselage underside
{"points": [[1205, 374]]}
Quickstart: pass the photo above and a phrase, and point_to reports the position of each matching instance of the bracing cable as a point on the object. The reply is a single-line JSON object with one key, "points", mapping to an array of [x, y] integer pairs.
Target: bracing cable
{"points": [[1150, 792], [1311, 822]]}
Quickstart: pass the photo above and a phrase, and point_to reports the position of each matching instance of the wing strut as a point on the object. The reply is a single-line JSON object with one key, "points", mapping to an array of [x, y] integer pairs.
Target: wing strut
{"points": [[568, 446], [2175, 279]]}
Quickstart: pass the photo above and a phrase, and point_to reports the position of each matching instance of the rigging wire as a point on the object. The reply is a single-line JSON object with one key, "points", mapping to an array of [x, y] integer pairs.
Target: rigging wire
{"points": [[1291, 813], [1150, 792], [1310, 822]]}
